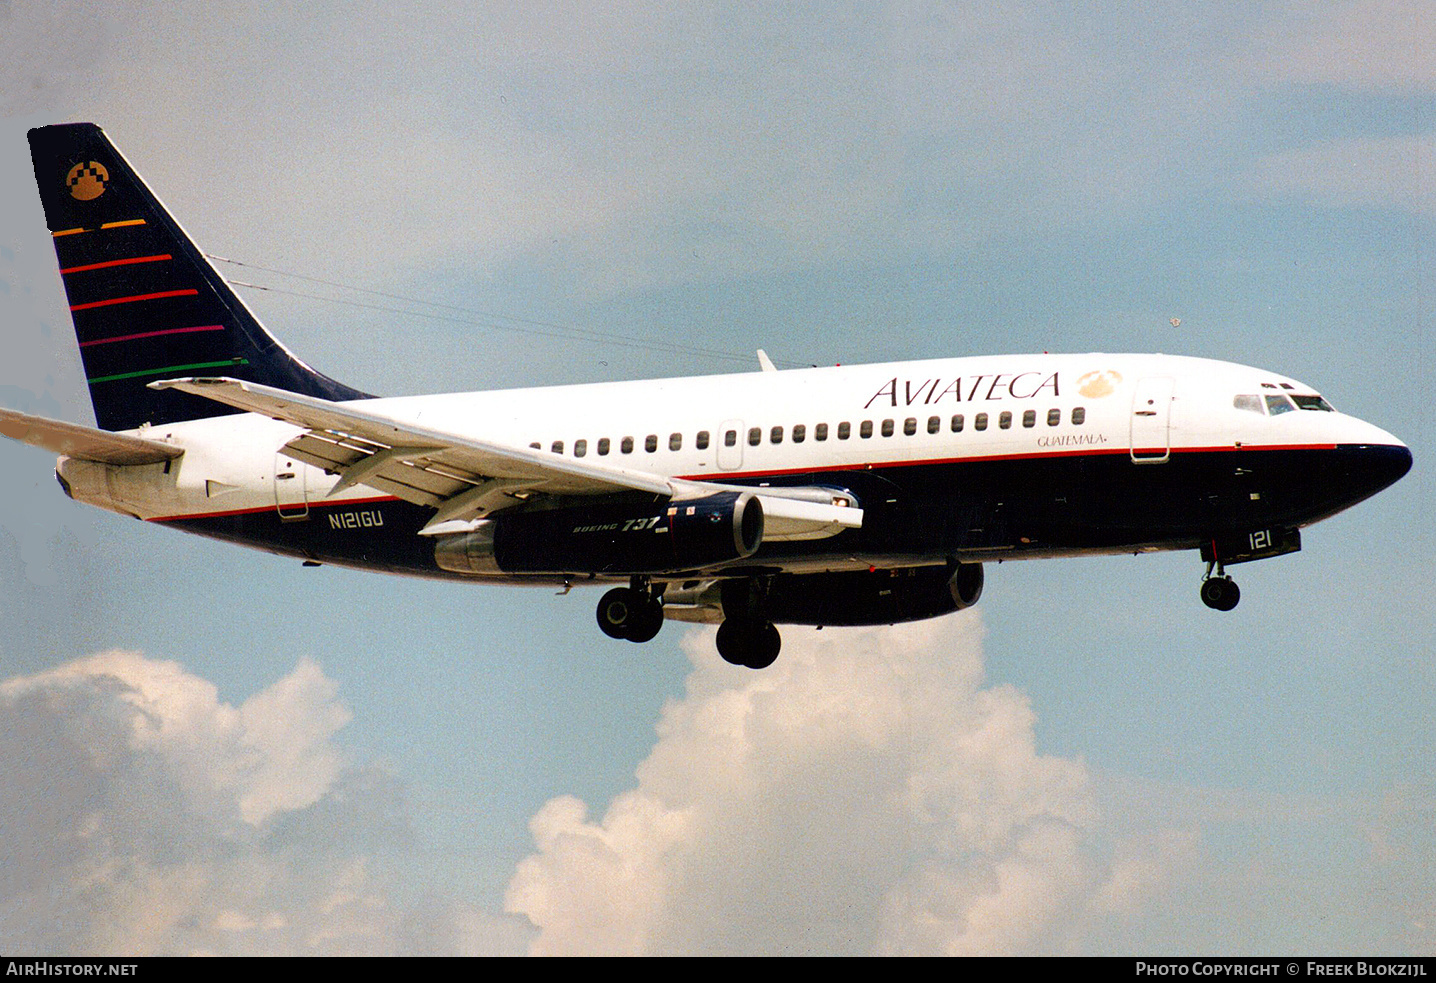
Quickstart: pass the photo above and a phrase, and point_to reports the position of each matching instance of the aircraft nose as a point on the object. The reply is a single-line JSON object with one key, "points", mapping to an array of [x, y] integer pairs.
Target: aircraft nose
{"points": [[1362, 470], [1356, 469], [1385, 464]]}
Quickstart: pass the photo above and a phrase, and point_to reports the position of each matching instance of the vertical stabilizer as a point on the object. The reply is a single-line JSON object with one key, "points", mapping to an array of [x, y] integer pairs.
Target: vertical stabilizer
{"points": [[145, 302]]}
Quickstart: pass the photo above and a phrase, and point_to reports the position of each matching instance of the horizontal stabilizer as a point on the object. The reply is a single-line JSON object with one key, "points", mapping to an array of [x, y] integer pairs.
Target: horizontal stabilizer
{"points": [[84, 443]]}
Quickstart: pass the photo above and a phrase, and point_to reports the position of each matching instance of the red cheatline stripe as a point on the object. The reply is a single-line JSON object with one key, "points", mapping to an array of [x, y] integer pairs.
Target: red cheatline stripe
{"points": [[131, 300], [118, 262], [151, 334]]}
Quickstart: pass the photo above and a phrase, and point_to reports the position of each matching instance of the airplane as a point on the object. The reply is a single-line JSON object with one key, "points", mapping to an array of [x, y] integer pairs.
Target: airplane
{"points": [[851, 495]]}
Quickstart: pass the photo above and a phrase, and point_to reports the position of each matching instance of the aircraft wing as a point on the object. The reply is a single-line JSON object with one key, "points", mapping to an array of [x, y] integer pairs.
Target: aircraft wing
{"points": [[464, 477], [459, 475], [84, 443]]}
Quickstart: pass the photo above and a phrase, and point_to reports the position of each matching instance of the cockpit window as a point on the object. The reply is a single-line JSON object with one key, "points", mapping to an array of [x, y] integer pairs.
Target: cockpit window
{"points": [[1312, 403], [1251, 404], [1277, 405]]}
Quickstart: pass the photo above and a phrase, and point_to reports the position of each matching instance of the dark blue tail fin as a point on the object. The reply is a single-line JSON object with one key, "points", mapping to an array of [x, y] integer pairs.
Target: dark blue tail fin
{"points": [[146, 303]]}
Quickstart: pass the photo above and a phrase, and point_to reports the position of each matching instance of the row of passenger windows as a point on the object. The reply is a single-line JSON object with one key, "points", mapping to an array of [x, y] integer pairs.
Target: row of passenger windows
{"points": [[820, 432]]}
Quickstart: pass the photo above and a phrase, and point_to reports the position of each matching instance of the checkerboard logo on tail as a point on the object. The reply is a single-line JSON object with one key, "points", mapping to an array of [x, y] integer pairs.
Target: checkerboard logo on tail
{"points": [[87, 181]]}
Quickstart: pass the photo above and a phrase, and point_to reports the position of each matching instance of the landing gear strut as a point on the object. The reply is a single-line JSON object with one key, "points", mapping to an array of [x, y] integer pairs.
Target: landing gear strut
{"points": [[634, 612], [1219, 590]]}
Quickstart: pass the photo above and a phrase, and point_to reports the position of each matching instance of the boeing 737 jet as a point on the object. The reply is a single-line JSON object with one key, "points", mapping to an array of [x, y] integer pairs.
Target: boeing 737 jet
{"points": [[854, 495]]}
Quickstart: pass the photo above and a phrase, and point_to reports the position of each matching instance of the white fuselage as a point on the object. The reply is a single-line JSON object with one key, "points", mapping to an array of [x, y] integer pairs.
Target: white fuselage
{"points": [[731, 427]]}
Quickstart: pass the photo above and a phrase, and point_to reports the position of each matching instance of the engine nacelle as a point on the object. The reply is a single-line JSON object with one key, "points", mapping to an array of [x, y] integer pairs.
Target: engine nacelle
{"points": [[611, 539], [881, 597]]}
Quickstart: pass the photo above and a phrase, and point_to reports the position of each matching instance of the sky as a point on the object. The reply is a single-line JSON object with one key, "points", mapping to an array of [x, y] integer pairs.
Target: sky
{"points": [[207, 749]]}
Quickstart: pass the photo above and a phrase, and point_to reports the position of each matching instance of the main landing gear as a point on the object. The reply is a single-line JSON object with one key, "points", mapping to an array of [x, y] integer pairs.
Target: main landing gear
{"points": [[750, 643], [745, 638], [634, 612], [1219, 590]]}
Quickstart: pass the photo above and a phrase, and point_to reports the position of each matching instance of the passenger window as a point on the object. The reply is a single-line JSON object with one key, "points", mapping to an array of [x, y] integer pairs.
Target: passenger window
{"points": [[1054, 417], [957, 423], [1250, 403], [979, 422], [845, 430], [934, 424], [702, 440], [909, 426], [602, 446], [887, 428], [557, 447], [675, 441], [755, 436], [776, 435], [730, 439], [1277, 405], [1005, 420], [800, 433], [866, 430], [627, 445], [580, 448], [1079, 415], [820, 432], [650, 443], [1029, 418]]}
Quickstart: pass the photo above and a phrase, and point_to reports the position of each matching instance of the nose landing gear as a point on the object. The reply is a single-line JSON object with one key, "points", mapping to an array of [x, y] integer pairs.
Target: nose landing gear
{"points": [[634, 612], [1219, 590]]}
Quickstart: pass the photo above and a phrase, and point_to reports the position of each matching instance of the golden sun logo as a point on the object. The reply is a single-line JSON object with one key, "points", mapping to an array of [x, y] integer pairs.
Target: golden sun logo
{"points": [[1095, 385], [87, 181]]}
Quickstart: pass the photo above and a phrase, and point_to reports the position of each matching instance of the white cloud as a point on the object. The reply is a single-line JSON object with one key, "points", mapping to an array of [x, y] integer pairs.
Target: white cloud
{"points": [[1364, 44], [271, 754], [144, 815], [866, 794], [1390, 172]]}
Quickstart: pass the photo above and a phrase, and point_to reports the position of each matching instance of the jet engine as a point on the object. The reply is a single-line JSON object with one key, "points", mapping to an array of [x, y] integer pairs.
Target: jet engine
{"points": [[880, 597], [611, 539]]}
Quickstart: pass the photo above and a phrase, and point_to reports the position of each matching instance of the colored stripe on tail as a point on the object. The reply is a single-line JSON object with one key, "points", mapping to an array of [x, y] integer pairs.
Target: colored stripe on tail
{"points": [[145, 301]]}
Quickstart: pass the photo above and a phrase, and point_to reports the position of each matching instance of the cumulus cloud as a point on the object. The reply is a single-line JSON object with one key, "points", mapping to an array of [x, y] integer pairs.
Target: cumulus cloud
{"points": [[144, 815], [869, 793]]}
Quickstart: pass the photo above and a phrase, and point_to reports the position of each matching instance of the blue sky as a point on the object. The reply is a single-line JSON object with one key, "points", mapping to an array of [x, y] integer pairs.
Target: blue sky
{"points": [[323, 760]]}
